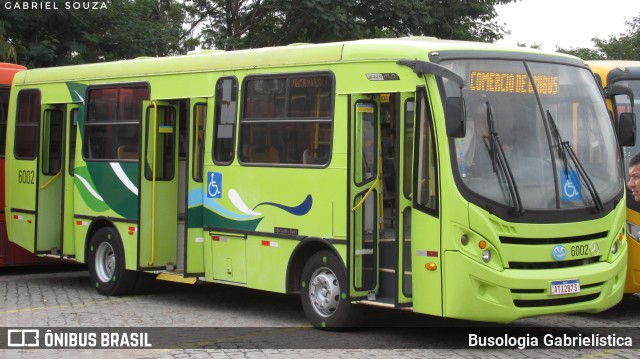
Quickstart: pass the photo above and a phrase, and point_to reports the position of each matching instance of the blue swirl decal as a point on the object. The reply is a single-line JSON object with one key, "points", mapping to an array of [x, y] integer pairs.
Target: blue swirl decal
{"points": [[197, 198], [299, 210]]}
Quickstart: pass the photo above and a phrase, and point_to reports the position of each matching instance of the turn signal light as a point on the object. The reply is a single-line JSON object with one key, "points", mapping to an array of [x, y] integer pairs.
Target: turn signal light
{"points": [[431, 266]]}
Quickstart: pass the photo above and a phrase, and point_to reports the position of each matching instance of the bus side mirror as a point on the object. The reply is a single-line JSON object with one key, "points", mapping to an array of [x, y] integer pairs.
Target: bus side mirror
{"points": [[455, 117], [615, 90], [627, 129]]}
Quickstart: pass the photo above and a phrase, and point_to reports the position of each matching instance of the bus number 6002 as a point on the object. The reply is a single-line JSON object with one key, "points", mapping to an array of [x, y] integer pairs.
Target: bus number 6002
{"points": [[27, 177], [580, 250]]}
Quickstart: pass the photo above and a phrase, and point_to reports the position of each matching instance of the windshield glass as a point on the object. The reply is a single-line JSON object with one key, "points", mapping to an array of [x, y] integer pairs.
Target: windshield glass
{"points": [[622, 104], [503, 95]]}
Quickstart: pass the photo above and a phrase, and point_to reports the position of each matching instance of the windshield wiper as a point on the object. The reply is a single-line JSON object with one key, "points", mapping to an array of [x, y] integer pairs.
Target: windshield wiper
{"points": [[558, 138], [499, 161], [564, 148]]}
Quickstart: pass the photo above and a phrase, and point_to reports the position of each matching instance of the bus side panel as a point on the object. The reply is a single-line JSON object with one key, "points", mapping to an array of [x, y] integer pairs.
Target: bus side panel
{"points": [[80, 229], [303, 209], [103, 189], [268, 259], [129, 236]]}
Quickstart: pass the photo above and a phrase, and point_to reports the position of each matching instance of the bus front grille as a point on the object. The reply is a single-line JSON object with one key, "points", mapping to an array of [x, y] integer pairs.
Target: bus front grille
{"points": [[553, 241], [555, 264], [524, 303]]}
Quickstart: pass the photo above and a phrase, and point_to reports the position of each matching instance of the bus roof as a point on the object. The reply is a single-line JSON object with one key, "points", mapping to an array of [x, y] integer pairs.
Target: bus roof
{"points": [[7, 71], [292, 55]]}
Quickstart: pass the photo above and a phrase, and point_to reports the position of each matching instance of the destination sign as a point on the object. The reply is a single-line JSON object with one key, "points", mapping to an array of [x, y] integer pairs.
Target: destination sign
{"points": [[512, 83]]}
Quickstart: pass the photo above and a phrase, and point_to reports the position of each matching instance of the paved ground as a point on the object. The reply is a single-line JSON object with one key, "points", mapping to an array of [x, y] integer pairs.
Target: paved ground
{"points": [[214, 321]]}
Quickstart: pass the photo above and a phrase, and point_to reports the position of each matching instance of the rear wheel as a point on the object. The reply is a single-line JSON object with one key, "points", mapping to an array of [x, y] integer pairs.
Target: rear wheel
{"points": [[323, 294], [107, 264]]}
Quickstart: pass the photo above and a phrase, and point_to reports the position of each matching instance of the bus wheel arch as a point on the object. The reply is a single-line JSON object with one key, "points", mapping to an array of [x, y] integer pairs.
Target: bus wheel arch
{"points": [[301, 254], [94, 226], [105, 258]]}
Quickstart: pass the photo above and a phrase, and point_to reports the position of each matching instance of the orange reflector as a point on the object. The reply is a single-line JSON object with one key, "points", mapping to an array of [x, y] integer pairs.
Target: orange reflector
{"points": [[482, 244], [620, 236], [431, 266]]}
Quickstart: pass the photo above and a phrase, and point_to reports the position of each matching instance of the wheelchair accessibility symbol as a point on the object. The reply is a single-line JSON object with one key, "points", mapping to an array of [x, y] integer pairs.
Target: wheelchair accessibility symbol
{"points": [[214, 188], [571, 188]]}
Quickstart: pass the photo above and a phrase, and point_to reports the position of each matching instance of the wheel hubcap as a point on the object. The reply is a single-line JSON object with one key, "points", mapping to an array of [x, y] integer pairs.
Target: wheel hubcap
{"points": [[324, 292], [105, 262]]}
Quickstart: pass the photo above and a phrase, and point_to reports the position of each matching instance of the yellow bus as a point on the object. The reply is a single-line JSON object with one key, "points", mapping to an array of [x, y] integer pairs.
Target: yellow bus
{"points": [[621, 83], [449, 178]]}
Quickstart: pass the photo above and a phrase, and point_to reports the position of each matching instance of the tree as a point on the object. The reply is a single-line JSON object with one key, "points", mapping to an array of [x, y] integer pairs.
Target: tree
{"points": [[125, 29], [624, 47], [7, 51], [236, 24], [583, 53]]}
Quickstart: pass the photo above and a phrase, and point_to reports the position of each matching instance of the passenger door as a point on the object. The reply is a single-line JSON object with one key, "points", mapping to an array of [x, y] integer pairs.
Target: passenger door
{"points": [[159, 186], [71, 130], [426, 245], [21, 171], [405, 195], [194, 261], [50, 180], [364, 197]]}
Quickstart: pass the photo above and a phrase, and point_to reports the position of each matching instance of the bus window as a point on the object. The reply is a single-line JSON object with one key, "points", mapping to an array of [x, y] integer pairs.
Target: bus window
{"points": [[225, 120], [287, 121], [199, 124], [73, 122], [164, 144], [52, 142], [27, 125], [409, 114], [427, 195], [366, 158], [113, 121]]}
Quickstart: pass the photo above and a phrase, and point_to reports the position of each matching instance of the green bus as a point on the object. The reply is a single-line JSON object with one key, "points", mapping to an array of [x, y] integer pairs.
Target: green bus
{"points": [[442, 177]]}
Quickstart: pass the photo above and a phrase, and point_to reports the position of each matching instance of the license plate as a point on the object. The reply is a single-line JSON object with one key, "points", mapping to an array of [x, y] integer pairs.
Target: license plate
{"points": [[565, 287]]}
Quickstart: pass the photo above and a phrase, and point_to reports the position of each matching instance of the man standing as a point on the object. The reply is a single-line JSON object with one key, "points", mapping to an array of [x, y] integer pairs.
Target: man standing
{"points": [[634, 176]]}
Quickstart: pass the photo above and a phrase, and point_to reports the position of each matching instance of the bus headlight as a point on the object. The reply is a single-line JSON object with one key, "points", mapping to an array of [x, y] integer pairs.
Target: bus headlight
{"points": [[614, 248], [486, 255]]}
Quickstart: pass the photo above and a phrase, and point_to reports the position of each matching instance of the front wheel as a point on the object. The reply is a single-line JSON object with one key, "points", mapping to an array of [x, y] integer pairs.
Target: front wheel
{"points": [[324, 292], [107, 264]]}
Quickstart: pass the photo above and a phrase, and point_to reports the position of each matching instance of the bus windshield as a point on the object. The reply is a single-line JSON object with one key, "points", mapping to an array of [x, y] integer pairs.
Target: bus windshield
{"points": [[538, 135]]}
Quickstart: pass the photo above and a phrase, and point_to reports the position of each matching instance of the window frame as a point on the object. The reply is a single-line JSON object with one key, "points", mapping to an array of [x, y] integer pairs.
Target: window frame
{"points": [[45, 160], [419, 127], [36, 146], [327, 118], [87, 124], [217, 118]]}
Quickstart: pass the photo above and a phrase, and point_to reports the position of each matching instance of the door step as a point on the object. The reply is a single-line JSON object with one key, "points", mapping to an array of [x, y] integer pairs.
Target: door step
{"points": [[386, 303], [177, 277]]}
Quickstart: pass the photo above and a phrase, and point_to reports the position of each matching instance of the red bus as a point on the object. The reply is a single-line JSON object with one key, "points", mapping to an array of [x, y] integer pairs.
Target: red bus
{"points": [[10, 253]]}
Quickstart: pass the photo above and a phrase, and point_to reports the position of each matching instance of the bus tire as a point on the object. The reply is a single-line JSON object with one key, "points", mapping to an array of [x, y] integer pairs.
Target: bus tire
{"points": [[324, 293], [107, 264]]}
